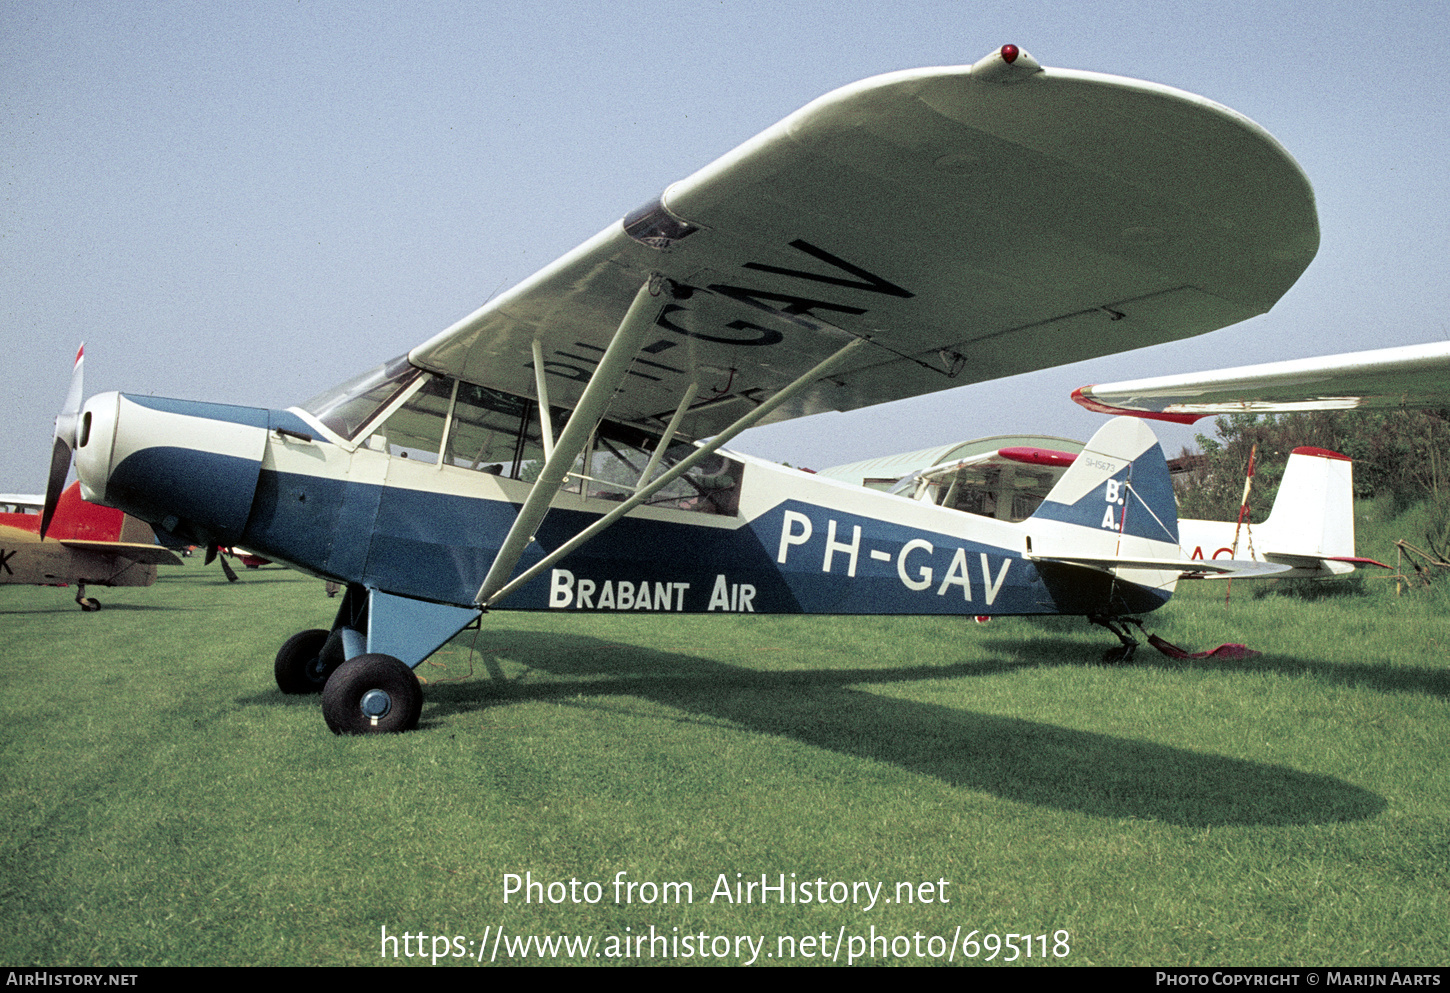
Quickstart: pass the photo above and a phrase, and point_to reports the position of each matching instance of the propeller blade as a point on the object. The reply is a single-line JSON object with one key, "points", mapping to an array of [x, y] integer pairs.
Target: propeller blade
{"points": [[66, 426], [55, 483], [211, 553]]}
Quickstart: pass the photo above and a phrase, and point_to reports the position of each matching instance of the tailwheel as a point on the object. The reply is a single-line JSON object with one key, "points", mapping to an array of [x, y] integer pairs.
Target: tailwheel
{"points": [[372, 694], [300, 667], [1118, 625]]}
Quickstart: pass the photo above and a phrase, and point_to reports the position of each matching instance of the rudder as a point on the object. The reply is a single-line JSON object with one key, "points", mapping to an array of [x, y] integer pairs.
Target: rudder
{"points": [[1313, 513], [1119, 492]]}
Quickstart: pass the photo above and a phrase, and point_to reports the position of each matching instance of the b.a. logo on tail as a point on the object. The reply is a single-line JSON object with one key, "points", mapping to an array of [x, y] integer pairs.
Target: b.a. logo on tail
{"points": [[1112, 488], [1119, 484]]}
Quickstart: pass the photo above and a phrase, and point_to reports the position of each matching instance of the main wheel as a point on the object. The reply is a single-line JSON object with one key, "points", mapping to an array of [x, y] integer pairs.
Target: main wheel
{"points": [[299, 667], [372, 694]]}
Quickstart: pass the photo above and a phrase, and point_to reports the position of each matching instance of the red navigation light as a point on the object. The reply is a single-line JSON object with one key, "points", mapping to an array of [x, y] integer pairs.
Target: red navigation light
{"points": [[1009, 53]]}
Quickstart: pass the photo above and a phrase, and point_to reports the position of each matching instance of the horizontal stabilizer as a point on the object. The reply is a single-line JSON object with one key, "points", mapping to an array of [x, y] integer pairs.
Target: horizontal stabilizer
{"points": [[1216, 568]]}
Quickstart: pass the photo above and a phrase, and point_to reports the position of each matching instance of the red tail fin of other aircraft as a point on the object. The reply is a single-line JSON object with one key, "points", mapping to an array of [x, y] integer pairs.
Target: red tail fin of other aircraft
{"points": [[76, 519]]}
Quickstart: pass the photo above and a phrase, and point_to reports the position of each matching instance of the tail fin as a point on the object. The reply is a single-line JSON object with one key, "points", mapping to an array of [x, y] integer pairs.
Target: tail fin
{"points": [[76, 519], [1118, 493], [1310, 529], [1313, 514], [1105, 540]]}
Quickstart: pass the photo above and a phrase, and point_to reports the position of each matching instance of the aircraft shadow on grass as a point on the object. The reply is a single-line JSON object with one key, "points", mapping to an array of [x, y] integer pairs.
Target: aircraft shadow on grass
{"points": [[1019, 760], [1379, 676]]}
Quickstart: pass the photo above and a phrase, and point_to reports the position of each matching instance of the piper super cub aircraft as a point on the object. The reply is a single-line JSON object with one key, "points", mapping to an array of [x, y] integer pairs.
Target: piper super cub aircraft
{"points": [[905, 234]]}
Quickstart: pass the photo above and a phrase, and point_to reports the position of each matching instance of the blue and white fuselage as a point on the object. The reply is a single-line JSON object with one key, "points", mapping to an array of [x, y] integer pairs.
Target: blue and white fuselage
{"points": [[284, 484]]}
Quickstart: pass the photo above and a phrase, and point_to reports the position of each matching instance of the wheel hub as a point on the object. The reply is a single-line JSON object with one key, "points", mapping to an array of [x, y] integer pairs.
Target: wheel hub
{"points": [[375, 705]]}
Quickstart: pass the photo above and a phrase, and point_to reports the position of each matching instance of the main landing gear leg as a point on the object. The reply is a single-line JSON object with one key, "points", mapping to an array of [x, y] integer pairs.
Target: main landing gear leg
{"points": [[364, 665], [366, 694], [1118, 625], [308, 658]]}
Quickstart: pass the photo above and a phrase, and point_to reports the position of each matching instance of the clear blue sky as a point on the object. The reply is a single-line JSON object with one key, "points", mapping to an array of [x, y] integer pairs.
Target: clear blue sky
{"points": [[250, 202]]}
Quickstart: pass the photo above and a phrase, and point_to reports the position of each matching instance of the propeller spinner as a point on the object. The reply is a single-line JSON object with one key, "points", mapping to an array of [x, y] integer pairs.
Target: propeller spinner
{"points": [[66, 428]]}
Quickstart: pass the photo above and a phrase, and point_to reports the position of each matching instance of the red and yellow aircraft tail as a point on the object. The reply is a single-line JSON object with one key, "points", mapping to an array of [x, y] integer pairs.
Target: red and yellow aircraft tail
{"points": [[84, 545], [76, 519]]}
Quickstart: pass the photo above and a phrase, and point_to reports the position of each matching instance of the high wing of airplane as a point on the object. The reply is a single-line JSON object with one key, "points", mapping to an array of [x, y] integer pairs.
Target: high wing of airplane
{"points": [[965, 223], [1386, 378], [905, 234], [87, 545]]}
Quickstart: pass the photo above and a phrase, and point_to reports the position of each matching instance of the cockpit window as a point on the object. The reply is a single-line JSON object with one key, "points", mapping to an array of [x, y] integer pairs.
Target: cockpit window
{"points": [[456, 425], [498, 433], [415, 430], [346, 409], [619, 455], [1008, 492]]}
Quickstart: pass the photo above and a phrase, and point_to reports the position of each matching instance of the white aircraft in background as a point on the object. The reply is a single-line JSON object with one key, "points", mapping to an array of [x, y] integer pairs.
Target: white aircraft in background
{"points": [[905, 234], [1405, 377], [1382, 379]]}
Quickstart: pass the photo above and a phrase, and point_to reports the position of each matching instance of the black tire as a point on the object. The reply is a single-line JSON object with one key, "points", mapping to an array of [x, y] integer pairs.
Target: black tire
{"points": [[90, 604], [372, 694], [299, 668]]}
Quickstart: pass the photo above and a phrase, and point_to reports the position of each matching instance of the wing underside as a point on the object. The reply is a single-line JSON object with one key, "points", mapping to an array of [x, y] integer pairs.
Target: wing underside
{"points": [[969, 224]]}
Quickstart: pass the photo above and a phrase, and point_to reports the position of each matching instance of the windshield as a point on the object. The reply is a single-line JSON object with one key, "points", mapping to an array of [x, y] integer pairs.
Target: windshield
{"points": [[346, 409]]}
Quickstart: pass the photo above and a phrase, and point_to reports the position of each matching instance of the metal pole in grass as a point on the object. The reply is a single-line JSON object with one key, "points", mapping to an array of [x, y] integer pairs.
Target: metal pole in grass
{"points": [[1243, 517]]}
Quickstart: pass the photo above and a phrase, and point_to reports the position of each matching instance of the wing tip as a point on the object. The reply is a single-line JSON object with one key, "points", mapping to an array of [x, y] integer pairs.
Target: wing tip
{"points": [[1083, 399]]}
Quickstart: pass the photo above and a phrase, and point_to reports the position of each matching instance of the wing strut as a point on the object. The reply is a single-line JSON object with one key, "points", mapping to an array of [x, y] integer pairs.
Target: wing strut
{"points": [[669, 435], [610, 372], [487, 597], [546, 425]]}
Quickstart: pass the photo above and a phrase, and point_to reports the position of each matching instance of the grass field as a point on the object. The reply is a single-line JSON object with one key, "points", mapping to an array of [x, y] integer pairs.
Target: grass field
{"points": [[165, 804]]}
